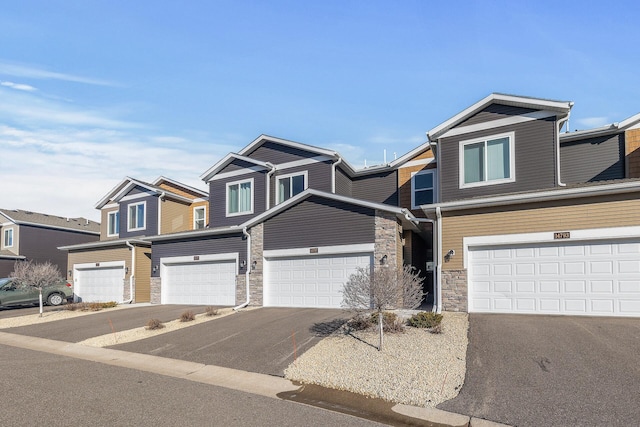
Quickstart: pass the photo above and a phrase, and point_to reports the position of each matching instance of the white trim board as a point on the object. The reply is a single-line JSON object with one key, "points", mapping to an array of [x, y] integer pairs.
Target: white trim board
{"points": [[321, 250]]}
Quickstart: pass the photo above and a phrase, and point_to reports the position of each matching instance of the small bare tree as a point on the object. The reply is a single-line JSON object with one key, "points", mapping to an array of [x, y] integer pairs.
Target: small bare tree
{"points": [[32, 275], [383, 289]]}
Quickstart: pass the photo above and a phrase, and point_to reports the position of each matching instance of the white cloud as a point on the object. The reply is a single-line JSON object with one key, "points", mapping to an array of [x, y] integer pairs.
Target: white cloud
{"points": [[18, 86], [34, 72], [593, 122]]}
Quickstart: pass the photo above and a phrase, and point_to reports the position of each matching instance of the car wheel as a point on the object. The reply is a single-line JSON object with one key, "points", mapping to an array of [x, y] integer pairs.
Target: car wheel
{"points": [[55, 299]]}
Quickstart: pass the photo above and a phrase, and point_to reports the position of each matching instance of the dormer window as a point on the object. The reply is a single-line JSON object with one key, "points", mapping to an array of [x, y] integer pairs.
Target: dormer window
{"points": [[113, 223], [290, 185], [240, 197], [487, 161], [137, 218], [8, 238]]}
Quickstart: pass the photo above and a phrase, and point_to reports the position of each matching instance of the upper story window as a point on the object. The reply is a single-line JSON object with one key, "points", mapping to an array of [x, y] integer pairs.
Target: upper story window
{"points": [[487, 161], [113, 223], [423, 188], [7, 239], [290, 185], [199, 215], [240, 197], [136, 220]]}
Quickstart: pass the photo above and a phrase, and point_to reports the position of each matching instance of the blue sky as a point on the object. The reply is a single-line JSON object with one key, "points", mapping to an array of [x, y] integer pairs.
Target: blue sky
{"points": [[93, 91]]}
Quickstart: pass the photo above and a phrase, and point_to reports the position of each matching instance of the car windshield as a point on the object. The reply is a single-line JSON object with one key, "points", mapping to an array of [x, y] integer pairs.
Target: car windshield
{"points": [[4, 281]]}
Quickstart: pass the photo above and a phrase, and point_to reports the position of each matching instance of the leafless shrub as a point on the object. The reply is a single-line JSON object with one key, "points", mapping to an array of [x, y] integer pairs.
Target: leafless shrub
{"points": [[154, 324], [187, 316], [211, 311]]}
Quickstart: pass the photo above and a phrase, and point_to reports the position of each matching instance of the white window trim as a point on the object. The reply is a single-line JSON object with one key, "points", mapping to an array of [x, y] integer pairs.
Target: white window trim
{"points": [[109, 214], [289, 176], [413, 187], [5, 233], [226, 197], [204, 216], [144, 217], [512, 160]]}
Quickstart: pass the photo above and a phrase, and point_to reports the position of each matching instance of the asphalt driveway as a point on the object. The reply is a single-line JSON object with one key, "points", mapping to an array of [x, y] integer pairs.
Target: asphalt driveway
{"points": [[264, 340], [551, 370]]}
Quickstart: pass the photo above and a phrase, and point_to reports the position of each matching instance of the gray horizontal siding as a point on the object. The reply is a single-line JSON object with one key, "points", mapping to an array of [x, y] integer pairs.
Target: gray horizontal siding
{"points": [[151, 217], [379, 187], [319, 222], [593, 159], [494, 112], [318, 175], [237, 164], [221, 244], [275, 153], [217, 200], [534, 156], [40, 244], [343, 183]]}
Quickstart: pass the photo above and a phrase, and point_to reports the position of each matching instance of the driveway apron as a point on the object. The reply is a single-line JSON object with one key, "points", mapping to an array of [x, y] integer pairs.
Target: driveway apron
{"points": [[551, 370], [265, 340]]}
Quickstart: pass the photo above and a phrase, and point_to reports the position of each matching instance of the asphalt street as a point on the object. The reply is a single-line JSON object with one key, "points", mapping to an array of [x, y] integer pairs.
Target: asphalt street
{"points": [[551, 371], [50, 390]]}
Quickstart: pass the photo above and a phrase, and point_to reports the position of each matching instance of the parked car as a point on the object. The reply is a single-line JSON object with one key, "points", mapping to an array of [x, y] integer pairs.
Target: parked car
{"points": [[54, 294]]}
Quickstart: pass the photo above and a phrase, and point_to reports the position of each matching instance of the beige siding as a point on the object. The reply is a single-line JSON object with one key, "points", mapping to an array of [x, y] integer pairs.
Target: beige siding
{"points": [[576, 214], [143, 266], [404, 181], [632, 153], [180, 191], [175, 217], [104, 221]]}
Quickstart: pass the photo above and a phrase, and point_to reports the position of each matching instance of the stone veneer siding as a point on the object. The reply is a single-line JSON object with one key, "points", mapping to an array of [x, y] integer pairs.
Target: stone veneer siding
{"points": [[126, 294], [256, 277], [387, 240], [454, 290], [156, 290]]}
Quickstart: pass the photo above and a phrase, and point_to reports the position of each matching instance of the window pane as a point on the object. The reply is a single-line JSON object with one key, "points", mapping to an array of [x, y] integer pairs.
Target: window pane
{"points": [[232, 198], [498, 159], [423, 197], [473, 162], [244, 204], [423, 180], [132, 217], [284, 189], [113, 225], [297, 184], [199, 213], [140, 217]]}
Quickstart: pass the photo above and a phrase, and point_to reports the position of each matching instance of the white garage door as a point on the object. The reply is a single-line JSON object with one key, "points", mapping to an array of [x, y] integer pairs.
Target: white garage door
{"points": [[310, 281], [596, 278], [99, 284], [204, 282]]}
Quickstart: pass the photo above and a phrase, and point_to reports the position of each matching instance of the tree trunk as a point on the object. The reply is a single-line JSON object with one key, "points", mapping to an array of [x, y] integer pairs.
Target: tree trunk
{"points": [[380, 327]]}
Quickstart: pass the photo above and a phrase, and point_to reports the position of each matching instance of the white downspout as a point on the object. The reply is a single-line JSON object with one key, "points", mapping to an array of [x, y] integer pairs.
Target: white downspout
{"points": [[133, 272], [269, 175], [333, 174], [246, 274], [162, 196], [560, 123], [437, 302]]}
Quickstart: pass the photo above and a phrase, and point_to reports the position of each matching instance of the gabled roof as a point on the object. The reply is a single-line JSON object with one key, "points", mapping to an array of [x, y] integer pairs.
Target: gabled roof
{"points": [[21, 217], [163, 179], [561, 108], [402, 213], [120, 190], [603, 130], [266, 138], [229, 158]]}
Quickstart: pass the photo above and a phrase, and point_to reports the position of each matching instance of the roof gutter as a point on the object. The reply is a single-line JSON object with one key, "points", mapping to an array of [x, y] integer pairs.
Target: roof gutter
{"points": [[132, 276], [247, 272]]}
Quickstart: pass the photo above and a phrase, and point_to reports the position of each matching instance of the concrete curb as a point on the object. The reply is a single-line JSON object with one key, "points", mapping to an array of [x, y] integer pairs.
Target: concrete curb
{"points": [[248, 382]]}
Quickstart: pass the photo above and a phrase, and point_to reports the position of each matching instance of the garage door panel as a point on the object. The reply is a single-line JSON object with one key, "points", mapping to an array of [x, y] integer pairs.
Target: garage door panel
{"points": [[592, 278], [100, 284], [205, 282], [311, 281]]}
